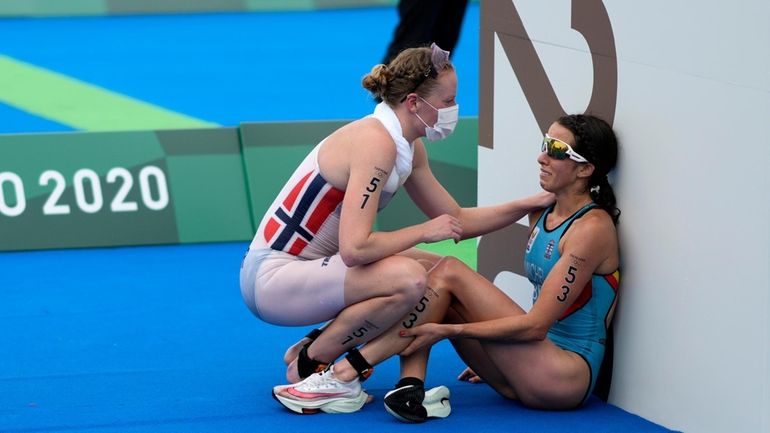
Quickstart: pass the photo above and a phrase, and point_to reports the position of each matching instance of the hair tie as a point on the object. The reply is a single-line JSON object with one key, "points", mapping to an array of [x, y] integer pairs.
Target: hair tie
{"points": [[438, 58], [438, 61], [596, 189]]}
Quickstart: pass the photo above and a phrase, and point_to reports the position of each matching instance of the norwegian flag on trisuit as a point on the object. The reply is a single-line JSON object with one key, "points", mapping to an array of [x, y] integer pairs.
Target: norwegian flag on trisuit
{"points": [[302, 213]]}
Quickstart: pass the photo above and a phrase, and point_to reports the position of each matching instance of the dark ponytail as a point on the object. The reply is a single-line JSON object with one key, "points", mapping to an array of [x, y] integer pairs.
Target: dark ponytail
{"points": [[601, 193], [596, 141]]}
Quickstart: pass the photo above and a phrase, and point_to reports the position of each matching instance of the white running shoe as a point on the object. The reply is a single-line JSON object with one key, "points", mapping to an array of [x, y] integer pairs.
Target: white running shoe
{"points": [[322, 392]]}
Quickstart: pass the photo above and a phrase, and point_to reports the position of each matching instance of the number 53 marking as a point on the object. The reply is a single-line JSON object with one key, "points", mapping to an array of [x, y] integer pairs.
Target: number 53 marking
{"points": [[569, 279]]}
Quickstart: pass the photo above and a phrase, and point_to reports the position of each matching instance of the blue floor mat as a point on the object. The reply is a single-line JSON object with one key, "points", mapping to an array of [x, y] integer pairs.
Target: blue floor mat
{"points": [[157, 339]]}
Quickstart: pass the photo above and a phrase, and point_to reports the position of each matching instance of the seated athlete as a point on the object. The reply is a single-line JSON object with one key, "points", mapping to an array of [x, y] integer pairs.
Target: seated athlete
{"points": [[546, 358], [315, 257]]}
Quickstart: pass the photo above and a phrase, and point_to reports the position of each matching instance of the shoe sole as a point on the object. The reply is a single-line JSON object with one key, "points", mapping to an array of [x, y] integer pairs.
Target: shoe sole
{"points": [[334, 405], [436, 404]]}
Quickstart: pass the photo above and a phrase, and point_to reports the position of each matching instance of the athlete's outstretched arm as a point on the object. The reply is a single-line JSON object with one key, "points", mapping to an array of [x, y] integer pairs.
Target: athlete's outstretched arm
{"points": [[433, 199]]}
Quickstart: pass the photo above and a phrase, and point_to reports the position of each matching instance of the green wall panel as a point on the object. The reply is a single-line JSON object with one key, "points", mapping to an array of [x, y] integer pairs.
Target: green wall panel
{"points": [[165, 6], [208, 184], [208, 209], [30, 155], [82, 190], [91, 189], [36, 230], [121, 188], [459, 148], [52, 7]]}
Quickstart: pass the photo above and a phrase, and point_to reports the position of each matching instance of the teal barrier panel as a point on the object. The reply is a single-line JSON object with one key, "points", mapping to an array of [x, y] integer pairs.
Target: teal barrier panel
{"points": [[121, 188], [177, 186]]}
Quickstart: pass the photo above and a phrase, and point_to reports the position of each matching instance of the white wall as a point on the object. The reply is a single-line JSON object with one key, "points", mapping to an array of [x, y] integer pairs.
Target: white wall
{"points": [[693, 109]]}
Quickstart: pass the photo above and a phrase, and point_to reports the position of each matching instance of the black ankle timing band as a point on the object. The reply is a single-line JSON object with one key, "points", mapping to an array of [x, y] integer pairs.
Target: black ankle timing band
{"points": [[315, 333], [362, 367], [307, 366]]}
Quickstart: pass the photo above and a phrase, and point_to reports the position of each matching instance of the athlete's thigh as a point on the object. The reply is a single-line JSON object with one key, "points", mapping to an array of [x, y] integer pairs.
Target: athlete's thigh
{"points": [[476, 358], [296, 292], [391, 275], [541, 374], [515, 370]]}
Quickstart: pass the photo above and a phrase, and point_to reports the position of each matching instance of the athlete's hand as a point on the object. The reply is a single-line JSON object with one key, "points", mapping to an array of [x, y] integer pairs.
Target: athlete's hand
{"points": [[441, 228], [470, 376], [424, 335]]}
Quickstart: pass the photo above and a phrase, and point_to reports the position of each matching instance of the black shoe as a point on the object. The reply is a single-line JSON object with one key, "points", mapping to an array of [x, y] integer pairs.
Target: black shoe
{"points": [[410, 403]]}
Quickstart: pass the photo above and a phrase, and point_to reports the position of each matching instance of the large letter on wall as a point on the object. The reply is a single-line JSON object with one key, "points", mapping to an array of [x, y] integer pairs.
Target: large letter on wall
{"points": [[501, 19]]}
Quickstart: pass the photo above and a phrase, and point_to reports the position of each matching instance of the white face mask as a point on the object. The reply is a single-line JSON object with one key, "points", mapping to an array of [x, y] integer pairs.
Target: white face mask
{"points": [[445, 123]]}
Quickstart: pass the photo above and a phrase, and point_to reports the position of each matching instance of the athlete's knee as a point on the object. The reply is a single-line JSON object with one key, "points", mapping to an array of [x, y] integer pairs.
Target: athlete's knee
{"points": [[410, 281], [446, 273]]}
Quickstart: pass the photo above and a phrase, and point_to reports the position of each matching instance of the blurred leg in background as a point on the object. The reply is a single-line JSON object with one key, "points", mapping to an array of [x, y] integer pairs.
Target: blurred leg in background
{"points": [[425, 21]]}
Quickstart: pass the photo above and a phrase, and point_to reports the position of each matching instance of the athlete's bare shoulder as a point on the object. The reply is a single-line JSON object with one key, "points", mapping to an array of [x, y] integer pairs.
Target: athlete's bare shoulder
{"points": [[364, 134], [594, 233], [363, 141]]}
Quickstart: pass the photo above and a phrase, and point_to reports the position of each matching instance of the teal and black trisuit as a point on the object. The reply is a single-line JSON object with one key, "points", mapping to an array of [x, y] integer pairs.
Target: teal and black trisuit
{"points": [[583, 327]]}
